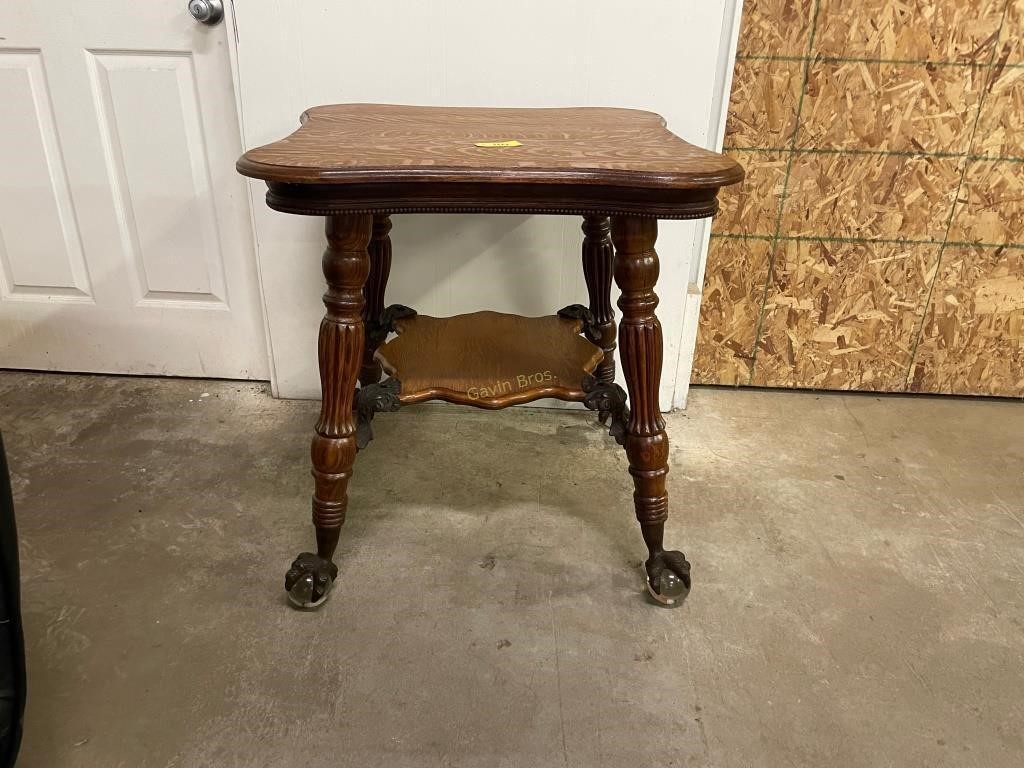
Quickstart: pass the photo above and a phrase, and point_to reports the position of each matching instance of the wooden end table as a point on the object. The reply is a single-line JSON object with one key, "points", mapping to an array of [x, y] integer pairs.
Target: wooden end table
{"points": [[620, 169]]}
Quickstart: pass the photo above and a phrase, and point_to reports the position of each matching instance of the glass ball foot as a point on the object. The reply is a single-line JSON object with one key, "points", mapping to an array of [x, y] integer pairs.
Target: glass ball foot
{"points": [[308, 582], [670, 590], [668, 579]]}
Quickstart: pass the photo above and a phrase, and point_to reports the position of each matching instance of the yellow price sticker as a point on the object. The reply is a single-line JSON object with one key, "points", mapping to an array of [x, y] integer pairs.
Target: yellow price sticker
{"points": [[490, 144]]}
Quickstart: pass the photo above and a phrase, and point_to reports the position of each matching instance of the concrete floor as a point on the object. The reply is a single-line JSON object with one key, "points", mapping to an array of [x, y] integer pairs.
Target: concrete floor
{"points": [[858, 566]]}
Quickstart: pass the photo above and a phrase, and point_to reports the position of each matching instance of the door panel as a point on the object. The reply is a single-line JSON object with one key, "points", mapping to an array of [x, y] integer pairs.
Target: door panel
{"points": [[164, 199], [41, 255], [125, 237]]}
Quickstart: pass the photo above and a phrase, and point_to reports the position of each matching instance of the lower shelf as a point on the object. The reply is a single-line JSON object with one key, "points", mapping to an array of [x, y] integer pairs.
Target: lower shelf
{"points": [[489, 359]]}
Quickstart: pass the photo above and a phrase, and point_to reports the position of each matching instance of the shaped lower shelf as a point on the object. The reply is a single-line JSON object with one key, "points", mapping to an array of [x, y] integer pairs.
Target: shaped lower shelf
{"points": [[489, 359]]}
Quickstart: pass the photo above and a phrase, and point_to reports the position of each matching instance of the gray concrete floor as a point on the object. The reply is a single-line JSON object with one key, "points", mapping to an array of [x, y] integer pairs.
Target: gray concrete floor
{"points": [[858, 567]]}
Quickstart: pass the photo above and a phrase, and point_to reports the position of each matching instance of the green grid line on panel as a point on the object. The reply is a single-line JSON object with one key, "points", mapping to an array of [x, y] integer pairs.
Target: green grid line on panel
{"points": [[878, 153], [785, 192], [952, 213], [867, 60], [864, 240]]}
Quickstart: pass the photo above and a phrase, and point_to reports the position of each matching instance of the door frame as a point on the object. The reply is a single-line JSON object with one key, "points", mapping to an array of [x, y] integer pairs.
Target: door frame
{"points": [[716, 134], [231, 30]]}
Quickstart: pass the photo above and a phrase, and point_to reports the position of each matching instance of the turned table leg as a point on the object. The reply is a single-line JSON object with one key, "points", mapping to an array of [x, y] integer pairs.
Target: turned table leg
{"points": [[376, 285], [640, 349], [346, 265], [597, 271]]}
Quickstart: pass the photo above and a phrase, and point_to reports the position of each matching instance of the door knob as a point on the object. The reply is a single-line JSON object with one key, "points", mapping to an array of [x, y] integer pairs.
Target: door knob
{"points": [[209, 12]]}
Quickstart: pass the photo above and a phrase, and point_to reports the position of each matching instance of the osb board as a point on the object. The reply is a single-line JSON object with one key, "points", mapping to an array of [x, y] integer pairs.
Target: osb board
{"points": [[990, 206], [843, 315], [752, 206], [904, 134], [906, 107], [730, 306], [764, 99], [870, 196], [1011, 39], [918, 30], [1001, 123], [775, 27], [973, 336]]}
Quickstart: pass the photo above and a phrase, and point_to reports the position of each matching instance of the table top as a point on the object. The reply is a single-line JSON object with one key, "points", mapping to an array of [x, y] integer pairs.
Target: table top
{"points": [[395, 158]]}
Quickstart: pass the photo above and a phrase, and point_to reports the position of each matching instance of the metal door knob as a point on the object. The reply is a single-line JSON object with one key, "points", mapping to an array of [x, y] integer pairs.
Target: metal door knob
{"points": [[209, 12]]}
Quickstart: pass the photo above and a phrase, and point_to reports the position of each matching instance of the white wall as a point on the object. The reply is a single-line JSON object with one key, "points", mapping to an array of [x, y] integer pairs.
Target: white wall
{"points": [[663, 55]]}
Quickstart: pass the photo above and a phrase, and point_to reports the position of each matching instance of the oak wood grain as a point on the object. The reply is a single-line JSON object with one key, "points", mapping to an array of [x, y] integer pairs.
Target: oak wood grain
{"points": [[377, 158], [345, 143], [373, 291], [598, 253], [640, 349], [489, 359], [357, 164], [346, 265], [461, 197]]}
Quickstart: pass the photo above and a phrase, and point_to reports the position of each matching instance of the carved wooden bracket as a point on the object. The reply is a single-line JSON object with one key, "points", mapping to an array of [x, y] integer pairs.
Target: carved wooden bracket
{"points": [[371, 399], [580, 312], [378, 328], [609, 400]]}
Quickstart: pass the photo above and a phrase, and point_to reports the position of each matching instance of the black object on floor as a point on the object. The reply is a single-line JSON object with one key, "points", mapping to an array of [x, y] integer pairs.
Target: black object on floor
{"points": [[12, 643]]}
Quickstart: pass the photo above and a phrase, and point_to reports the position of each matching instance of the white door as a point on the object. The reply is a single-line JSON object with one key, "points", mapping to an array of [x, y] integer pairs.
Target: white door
{"points": [[125, 238]]}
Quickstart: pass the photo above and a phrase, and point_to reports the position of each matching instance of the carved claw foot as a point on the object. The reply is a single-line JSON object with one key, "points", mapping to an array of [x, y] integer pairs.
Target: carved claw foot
{"points": [[309, 581], [668, 578]]}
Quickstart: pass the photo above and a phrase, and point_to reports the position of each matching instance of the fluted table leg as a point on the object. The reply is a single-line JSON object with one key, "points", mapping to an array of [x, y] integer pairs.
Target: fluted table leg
{"points": [[646, 443], [346, 265], [376, 285], [597, 271]]}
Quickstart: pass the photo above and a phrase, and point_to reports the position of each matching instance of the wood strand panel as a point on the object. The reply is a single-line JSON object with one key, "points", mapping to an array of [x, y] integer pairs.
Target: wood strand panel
{"points": [[762, 109], [752, 207], [870, 196], [775, 27], [1001, 123], [906, 104], [843, 315], [1011, 40], [990, 207], [737, 272], [918, 30], [905, 107], [973, 336]]}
